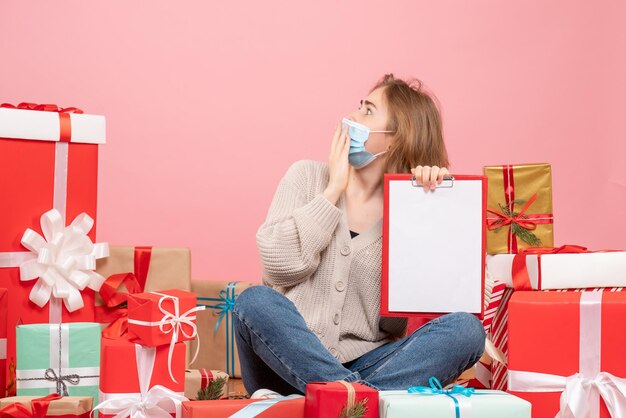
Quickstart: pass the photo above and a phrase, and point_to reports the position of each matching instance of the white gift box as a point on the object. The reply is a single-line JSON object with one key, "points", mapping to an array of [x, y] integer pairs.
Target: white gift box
{"points": [[564, 270]]}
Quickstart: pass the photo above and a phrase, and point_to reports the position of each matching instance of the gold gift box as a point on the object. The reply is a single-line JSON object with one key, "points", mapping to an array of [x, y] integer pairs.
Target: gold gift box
{"points": [[527, 180]]}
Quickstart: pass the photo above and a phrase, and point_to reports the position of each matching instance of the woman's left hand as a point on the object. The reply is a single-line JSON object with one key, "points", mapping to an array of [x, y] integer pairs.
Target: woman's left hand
{"points": [[429, 177]]}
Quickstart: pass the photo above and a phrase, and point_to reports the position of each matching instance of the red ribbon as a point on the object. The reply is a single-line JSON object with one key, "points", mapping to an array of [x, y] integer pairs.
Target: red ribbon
{"points": [[117, 315], [207, 378], [65, 122], [526, 221], [521, 279], [39, 409]]}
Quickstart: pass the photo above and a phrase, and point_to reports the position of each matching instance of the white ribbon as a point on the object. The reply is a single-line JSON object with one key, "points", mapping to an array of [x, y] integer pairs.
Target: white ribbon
{"points": [[59, 375], [157, 402], [581, 391], [255, 408], [63, 260], [172, 322], [494, 352]]}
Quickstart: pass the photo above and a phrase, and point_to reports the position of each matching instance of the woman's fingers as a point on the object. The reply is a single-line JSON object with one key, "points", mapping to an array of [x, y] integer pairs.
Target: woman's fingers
{"points": [[434, 173], [417, 173], [344, 139], [442, 173], [336, 136], [428, 177]]}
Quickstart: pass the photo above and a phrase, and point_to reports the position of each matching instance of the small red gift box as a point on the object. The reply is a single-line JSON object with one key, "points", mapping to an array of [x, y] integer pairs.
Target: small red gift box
{"points": [[564, 347], [331, 398], [160, 318], [129, 371], [287, 408]]}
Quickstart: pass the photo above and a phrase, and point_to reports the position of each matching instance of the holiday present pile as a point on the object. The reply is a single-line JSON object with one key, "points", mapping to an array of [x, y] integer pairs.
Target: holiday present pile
{"points": [[559, 320], [56, 356]]}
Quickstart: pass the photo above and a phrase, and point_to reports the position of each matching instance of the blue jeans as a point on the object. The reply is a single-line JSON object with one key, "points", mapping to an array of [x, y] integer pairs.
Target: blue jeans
{"points": [[278, 351]]}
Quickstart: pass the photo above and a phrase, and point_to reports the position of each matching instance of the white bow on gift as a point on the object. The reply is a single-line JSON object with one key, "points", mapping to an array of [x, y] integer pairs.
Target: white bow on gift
{"points": [[64, 260], [577, 392], [172, 322], [158, 402]]}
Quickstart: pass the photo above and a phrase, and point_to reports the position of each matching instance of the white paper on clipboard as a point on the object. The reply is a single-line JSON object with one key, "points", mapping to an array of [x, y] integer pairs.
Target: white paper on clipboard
{"points": [[435, 247]]}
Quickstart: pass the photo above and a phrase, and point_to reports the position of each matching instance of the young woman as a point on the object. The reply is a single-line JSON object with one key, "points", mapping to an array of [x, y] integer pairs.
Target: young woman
{"points": [[318, 316]]}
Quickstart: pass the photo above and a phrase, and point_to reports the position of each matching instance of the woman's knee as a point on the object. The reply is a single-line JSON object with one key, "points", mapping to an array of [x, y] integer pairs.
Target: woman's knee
{"points": [[468, 329], [250, 299], [255, 301]]}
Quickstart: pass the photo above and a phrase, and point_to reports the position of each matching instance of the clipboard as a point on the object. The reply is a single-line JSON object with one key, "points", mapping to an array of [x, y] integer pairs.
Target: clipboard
{"points": [[433, 246]]}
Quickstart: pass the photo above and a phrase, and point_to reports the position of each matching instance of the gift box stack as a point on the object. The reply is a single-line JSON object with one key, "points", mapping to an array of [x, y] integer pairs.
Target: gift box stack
{"points": [[561, 317], [52, 353], [50, 342]]}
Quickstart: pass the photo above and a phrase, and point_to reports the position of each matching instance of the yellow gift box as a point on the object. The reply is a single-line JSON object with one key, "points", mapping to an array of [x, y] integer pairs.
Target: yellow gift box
{"points": [[519, 207]]}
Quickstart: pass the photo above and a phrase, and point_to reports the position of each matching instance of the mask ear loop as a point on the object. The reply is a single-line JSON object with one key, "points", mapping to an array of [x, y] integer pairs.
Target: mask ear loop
{"points": [[380, 153]]}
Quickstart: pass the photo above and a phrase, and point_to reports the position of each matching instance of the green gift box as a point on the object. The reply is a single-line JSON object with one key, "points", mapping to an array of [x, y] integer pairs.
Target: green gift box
{"points": [[58, 358], [480, 404]]}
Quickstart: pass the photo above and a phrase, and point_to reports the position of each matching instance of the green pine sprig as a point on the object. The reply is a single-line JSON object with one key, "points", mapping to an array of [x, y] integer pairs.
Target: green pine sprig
{"points": [[357, 411], [524, 234], [213, 391]]}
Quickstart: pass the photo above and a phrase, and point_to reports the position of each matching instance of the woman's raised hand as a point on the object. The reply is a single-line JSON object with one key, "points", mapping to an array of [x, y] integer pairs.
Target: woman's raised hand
{"points": [[338, 166], [428, 176]]}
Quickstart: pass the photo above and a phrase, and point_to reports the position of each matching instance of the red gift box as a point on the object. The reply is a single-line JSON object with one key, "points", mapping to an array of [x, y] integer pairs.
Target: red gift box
{"points": [[49, 159], [287, 408], [160, 318], [563, 345], [329, 399], [130, 372]]}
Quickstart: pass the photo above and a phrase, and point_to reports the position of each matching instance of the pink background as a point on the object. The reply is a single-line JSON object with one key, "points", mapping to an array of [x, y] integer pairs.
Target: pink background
{"points": [[208, 103]]}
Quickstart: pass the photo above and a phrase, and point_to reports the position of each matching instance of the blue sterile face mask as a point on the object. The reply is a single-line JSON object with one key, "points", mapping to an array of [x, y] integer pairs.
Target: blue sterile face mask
{"points": [[358, 156]]}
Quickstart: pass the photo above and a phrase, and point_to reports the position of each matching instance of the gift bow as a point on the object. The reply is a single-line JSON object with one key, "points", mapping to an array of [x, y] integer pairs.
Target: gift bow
{"points": [[72, 379], [152, 403], [42, 107], [172, 322], [521, 219], [435, 388], [63, 260], [576, 390], [225, 305], [39, 408], [114, 298], [149, 405]]}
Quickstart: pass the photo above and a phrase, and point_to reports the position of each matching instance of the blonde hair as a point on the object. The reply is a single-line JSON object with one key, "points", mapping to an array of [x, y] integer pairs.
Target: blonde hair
{"points": [[415, 118]]}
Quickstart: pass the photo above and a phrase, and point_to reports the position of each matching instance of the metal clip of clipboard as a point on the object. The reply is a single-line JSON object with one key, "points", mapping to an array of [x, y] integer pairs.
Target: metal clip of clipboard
{"points": [[446, 183]]}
